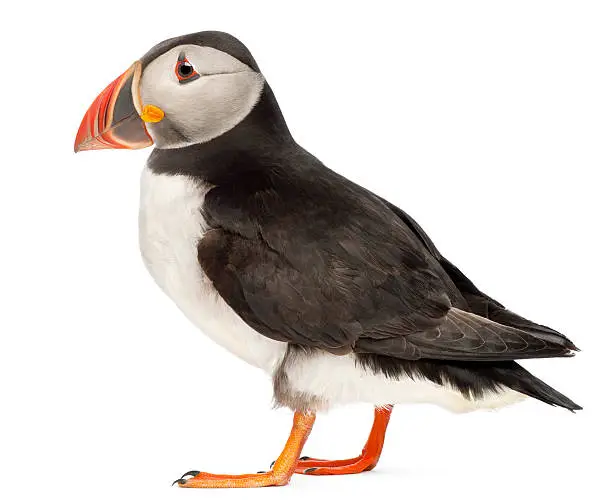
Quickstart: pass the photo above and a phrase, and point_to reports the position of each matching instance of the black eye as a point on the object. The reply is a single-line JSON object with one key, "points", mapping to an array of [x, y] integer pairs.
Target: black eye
{"points": [[185, 71]]}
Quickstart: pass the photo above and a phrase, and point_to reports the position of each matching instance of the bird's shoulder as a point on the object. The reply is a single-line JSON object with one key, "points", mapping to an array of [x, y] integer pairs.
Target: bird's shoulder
{"points": [[298, 194]]}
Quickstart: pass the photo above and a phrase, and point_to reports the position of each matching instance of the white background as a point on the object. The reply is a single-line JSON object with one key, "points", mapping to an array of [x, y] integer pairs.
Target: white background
{"points": [[489, 122]]}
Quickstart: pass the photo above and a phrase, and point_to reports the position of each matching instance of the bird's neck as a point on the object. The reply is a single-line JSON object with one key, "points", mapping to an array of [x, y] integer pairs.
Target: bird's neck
{"points": [[262, 136]]}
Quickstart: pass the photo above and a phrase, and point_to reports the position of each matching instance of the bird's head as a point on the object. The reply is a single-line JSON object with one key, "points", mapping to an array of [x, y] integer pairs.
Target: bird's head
{"points": [[184, 91]]}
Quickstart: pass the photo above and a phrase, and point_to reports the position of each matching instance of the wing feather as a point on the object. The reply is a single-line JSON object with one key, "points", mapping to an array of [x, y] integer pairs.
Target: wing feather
{"points": [[467, 337]]}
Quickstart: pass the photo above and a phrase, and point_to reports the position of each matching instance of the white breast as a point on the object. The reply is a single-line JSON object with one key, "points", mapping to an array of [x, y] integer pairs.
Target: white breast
{"points": [[171, 225]]}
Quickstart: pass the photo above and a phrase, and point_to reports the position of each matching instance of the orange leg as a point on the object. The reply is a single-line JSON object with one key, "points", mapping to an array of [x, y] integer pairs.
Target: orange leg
{"points": [[278, 475], [364, 462]]}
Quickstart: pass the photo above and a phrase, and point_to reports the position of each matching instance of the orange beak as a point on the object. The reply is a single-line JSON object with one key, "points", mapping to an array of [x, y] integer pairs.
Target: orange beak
{"points": [[114, 118]]}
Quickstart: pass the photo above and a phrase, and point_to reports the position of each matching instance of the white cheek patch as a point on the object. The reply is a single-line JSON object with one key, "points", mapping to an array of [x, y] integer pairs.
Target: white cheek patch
{"points": [[200, 110]]}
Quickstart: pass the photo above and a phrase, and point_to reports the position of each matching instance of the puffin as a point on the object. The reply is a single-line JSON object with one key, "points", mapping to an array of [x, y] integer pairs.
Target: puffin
{"points": [[336, 293]]}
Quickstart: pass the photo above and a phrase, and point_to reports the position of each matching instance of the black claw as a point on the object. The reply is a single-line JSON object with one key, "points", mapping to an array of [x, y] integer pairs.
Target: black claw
{"points": [[182, 480], [310, 469], [261, 472], [304, 458], [272, 464]]}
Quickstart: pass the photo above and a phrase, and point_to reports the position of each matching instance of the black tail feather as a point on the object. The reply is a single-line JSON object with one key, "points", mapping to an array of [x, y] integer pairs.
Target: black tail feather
{"points": [[519, 379], [473, 379]]}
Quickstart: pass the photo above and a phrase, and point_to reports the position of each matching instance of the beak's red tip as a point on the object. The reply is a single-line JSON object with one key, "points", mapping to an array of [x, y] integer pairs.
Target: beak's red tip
{"points": [[100, 129], [90, 135]]}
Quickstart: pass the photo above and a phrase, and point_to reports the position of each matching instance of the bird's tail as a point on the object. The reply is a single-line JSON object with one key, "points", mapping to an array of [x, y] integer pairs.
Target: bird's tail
{"points": [[517, 378]]}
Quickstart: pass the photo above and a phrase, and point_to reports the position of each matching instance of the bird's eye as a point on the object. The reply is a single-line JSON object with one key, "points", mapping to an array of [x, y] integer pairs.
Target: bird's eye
{"points": [[185, 71]]}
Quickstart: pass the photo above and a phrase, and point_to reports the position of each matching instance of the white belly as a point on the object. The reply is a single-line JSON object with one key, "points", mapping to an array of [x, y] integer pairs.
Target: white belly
{"points": [[171, 225]]}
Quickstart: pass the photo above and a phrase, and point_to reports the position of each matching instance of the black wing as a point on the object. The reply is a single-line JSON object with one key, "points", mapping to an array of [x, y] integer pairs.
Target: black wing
{"points": [[312, 259], [478, 302]]}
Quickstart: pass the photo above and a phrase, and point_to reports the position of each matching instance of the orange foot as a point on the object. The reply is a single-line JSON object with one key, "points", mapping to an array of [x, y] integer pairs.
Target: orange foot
{"points": [[279, 475], [364, 462], [207, 480]]}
